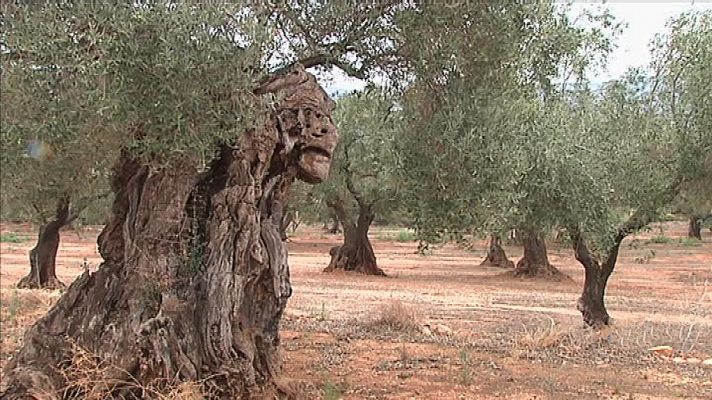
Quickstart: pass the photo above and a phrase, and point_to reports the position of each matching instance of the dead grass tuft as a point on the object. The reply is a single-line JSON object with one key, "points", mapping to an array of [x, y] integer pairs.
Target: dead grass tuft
{"points": [[555, 338], [541, 337], [89, 377], [394, 315]]}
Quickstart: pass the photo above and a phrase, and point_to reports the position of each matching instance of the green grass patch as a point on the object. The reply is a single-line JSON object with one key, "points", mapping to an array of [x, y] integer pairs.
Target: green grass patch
{"points": [[12, 238], [405, 235], [660, 239], [690, 242]]}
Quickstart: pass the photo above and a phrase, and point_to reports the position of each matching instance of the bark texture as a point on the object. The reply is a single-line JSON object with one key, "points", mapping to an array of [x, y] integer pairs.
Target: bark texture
{"points": [[195, 277], [356, 254], [535, 261], [43, 256], [496, 257]]}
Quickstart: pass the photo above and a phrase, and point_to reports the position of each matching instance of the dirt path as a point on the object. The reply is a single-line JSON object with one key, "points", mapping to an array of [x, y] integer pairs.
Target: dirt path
{"points": [[492, 336]]}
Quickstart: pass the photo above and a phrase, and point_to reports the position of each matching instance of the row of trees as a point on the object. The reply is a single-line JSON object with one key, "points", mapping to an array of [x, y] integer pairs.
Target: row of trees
{"points": [[508, 144], [199, 116]]}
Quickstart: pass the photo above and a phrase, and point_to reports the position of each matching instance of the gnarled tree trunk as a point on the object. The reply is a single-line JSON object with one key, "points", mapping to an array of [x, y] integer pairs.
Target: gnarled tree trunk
{"points": [[496, 257], [535, 261], [694, 229], [195, 277], [591, 303], [43, 256], [356, 254]]}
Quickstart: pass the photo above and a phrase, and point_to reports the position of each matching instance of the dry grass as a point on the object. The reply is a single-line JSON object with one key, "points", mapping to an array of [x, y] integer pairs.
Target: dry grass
{"points": [[90, 377], [551, 339], [19, 309], [394, 315], [541, 337]]}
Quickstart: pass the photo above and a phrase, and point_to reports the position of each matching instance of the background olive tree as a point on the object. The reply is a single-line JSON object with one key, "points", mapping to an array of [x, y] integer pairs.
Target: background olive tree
{"points": [[473, 147], [362, 182]]}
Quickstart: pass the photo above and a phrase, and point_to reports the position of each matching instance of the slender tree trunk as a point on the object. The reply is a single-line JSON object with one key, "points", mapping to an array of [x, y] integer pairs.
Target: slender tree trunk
{"points": [[43, 256], [535, 261], [591, 303], [598, 270], [496, 257], [694, 229], [356, 254], [195, 277]]}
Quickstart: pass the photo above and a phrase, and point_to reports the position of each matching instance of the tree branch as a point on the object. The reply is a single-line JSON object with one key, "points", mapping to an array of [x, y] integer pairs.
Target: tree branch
{"points": [[642, 217], [348, 176]]}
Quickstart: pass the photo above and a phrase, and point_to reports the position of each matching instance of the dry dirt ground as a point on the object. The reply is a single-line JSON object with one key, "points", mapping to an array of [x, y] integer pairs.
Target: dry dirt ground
{"points": [[441, 327]]}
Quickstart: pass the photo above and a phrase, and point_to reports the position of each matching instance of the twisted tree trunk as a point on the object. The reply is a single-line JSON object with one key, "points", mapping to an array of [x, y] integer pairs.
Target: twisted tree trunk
{"points": [[496, 257], [591, 303], [535, 261], [43, 256], [195, 277], [356, 254]]}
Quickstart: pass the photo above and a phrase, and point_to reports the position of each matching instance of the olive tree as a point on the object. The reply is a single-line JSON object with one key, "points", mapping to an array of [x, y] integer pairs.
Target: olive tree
{"points": [[600, 146], [471, 151], [663, 121], [206, 144], [361, 185], [56, 149]]}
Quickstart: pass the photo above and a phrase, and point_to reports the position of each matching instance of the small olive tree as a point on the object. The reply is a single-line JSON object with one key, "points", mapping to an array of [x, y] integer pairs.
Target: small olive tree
{"points": [[362, 182]]}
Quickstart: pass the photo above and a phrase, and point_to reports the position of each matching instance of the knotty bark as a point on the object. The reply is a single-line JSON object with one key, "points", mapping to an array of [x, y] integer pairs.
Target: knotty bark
{"points": [[195, 277]]}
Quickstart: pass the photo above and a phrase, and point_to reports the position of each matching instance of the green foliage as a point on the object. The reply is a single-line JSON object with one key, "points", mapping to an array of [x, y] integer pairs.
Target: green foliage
{"points": [[466, 376], [484, 148], [332, 391], [14, 306], [477, 149], [646, 257], [12, 238], [360, 37], [82, 80], [403, 235], [363, 164]]}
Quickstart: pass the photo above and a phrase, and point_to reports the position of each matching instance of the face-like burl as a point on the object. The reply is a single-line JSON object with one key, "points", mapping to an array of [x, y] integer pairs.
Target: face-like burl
{"points": [[313, 138], [304, 120]]}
